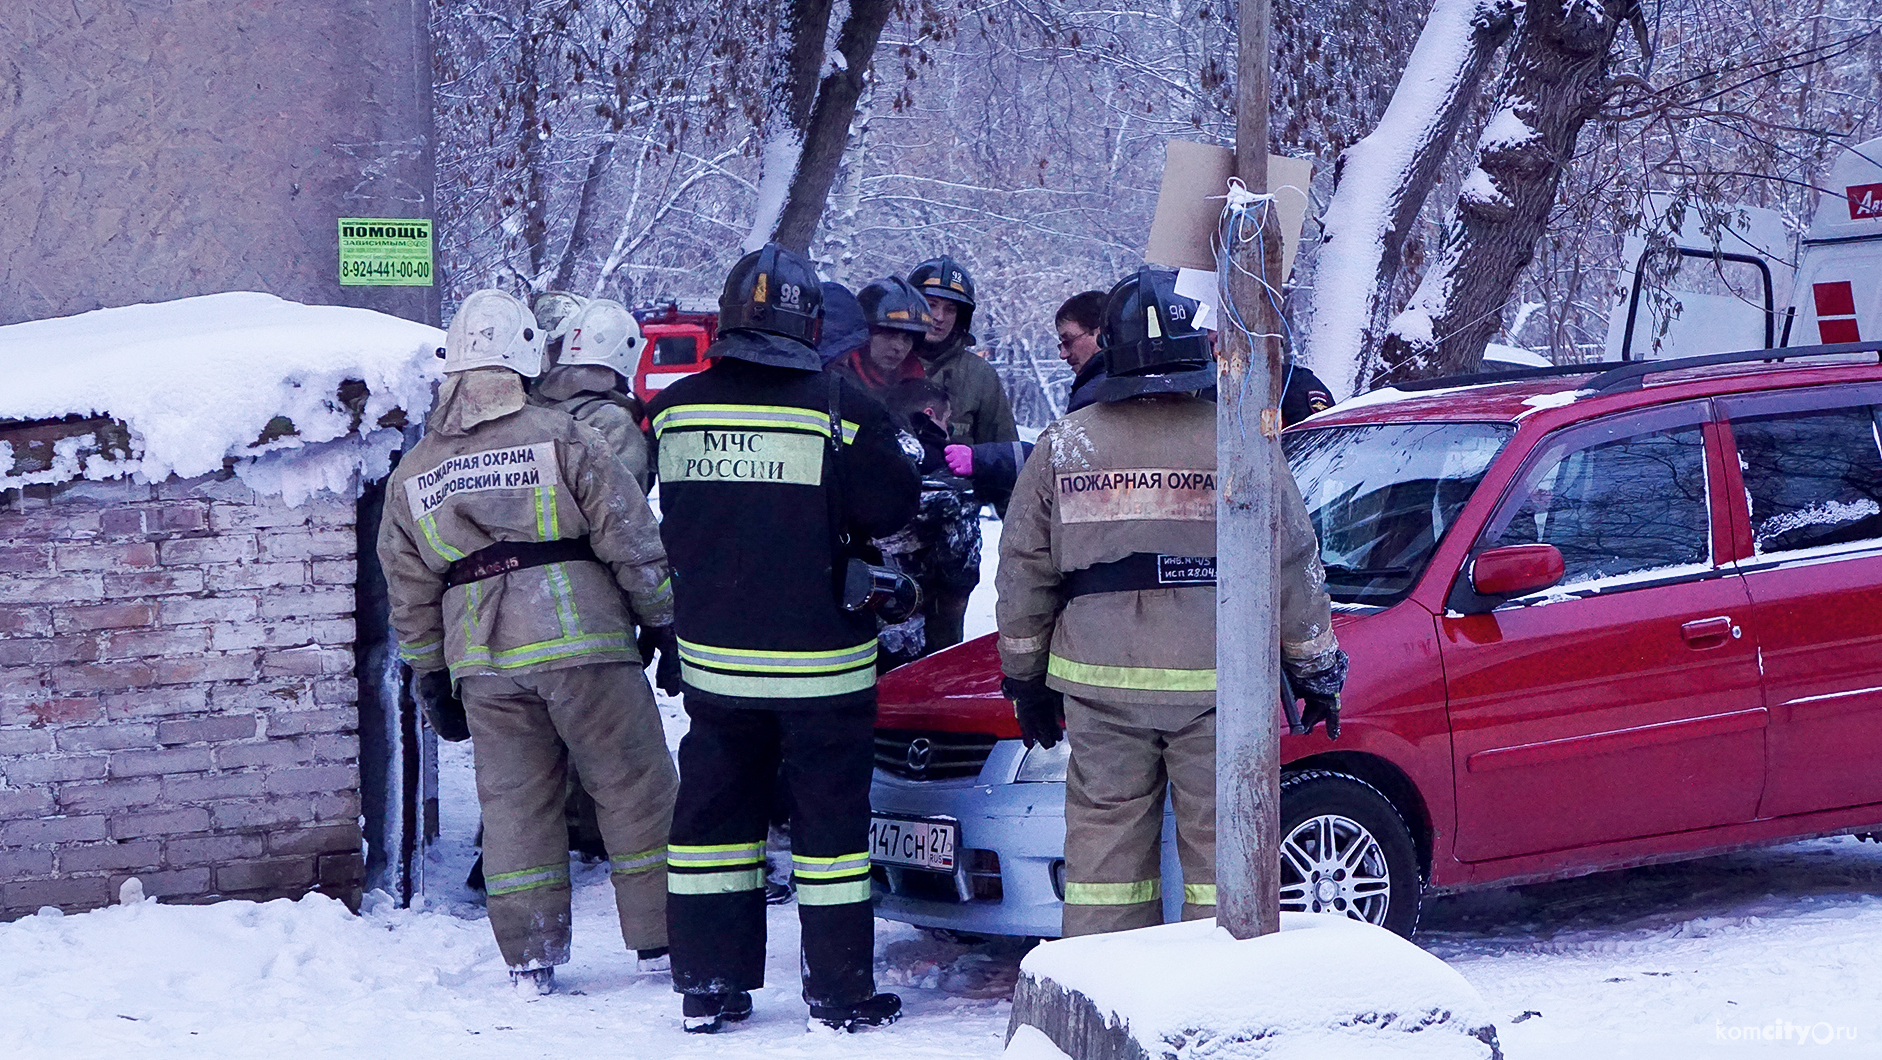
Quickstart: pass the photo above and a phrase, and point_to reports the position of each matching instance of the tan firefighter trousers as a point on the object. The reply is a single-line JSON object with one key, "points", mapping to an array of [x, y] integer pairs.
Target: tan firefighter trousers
{"points": [[526, 728], [1123, 756]]}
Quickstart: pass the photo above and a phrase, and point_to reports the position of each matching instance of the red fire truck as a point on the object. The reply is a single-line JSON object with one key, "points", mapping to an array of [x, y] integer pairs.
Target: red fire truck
{"points": [[675, 348]]}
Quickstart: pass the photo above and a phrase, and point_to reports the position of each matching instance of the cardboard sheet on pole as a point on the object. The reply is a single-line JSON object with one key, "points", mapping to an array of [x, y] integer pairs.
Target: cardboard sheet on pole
{"points": [[1189, 207]]}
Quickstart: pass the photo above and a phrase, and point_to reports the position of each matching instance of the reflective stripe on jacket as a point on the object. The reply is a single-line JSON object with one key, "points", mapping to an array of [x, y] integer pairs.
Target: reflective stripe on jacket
{"points": [[1108, 482], [746, 473], [533, 474]]}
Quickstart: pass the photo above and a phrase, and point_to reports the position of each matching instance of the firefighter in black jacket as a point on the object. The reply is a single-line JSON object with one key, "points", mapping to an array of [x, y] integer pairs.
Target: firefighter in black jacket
{"points": [[768, 467]]}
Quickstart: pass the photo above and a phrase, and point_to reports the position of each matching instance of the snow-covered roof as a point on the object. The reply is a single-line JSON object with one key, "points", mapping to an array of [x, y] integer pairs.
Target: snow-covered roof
{"points": [[1854, 206], [198, 380]]}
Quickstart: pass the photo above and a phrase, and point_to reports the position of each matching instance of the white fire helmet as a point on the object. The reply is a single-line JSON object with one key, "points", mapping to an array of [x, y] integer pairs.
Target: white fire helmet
{"points": [[493, 329], [555, 311], [604, 333]]}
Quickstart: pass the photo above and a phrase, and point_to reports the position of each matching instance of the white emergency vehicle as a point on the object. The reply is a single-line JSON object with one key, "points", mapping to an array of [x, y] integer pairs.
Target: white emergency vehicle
{"points": [[1724, 280]]}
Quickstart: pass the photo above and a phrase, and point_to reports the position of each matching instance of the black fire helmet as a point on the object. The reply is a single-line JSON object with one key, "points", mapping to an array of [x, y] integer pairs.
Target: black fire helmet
{"points": [[773, 289], [895, 305], [1150, 342]]}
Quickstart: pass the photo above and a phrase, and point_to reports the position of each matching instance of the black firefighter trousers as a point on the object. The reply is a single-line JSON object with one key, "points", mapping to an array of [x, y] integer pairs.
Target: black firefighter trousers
{"points": [[730, 761]]}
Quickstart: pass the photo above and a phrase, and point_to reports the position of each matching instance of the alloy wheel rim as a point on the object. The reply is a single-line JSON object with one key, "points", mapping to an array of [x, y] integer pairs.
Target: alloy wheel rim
{"points": [[1332, 864]]}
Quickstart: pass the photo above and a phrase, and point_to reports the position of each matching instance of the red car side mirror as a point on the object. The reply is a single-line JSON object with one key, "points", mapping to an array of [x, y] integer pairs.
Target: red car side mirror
{"points": [[1515, 570]]}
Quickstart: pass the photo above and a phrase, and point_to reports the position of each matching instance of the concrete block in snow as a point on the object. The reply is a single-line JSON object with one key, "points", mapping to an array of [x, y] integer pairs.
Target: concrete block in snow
{"points": [[1323, 986]]}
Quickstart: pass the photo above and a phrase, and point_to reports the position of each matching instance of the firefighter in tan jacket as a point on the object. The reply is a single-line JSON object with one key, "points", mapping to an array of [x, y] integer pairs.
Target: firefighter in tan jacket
{"points": [[592, 379], [1107, 612], [519, 554]]}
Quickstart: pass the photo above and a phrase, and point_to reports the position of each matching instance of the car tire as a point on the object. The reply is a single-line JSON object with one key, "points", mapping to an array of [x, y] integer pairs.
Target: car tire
{"points": [[1333, 824]]}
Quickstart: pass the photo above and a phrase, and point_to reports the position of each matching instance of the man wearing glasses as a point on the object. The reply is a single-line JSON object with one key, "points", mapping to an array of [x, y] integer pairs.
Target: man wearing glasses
{"points": [[1078, 322]]}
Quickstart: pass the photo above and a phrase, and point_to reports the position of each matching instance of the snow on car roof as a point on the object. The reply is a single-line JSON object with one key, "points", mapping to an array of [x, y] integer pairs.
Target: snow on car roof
{"points": [[1518, 399], [200, 379], [1483, 401]]}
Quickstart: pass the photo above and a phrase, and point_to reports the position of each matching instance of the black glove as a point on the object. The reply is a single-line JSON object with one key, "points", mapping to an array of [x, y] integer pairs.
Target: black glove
{"points": [[1321, 708], [1040, 710], [443, 710], [662, 642], [1320, 690]]}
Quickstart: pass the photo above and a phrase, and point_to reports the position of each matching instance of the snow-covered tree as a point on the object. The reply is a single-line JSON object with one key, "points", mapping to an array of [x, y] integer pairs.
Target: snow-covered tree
{"points": [[1599, 105], [1556, 79], [1381, 182]]}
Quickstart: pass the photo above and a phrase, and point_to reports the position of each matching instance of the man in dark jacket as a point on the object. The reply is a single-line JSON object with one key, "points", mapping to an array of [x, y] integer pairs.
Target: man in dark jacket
{"points": [[1080, 323], [843, 325], [1302, 394], [994, 466], [981, 411], [768, 466]]}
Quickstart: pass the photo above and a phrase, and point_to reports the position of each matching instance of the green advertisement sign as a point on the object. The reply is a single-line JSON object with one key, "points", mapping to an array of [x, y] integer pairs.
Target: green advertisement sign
{"points": [[385, 252]]}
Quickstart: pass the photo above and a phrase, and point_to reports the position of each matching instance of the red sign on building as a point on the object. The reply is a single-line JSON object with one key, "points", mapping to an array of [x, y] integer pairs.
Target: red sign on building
{"points": [[1865, 202]]}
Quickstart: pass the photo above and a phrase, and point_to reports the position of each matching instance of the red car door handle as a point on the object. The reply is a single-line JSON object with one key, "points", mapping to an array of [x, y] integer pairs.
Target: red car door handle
{"points": [[1708, 632]]}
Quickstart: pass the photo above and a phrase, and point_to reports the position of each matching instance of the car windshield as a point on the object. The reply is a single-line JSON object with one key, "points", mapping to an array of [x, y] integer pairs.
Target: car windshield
{"points": [[1382, 495]]}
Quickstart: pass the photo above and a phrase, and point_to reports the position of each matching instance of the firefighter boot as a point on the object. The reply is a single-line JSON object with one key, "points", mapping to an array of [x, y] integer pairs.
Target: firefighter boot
{"points": [[878, 1011], [707, 1013], [533, 982]]}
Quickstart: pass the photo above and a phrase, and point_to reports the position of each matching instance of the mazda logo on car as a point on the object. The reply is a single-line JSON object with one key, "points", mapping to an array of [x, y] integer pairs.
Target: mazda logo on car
{"points": [[920, 750]]}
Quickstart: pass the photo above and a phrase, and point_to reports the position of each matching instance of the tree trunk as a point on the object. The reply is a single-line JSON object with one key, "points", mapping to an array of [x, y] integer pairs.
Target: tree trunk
{"points": [[835, 241], [1557, 78], [582, 232], [535, 193], [829, 127], [1381, 183], [796, 57]]}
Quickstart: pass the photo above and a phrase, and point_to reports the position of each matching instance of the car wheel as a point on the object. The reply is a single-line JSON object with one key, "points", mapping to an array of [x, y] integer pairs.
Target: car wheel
{"points": [[1345, 850]]}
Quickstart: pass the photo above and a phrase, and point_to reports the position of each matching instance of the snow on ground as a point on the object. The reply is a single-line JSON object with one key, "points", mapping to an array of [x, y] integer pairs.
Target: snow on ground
{"points": [[979, 619], [1701, 959], [1711, 958]]}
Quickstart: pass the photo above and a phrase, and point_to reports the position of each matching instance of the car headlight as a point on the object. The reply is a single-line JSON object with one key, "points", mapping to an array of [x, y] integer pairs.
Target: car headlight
{"points": [[1044, 765]]}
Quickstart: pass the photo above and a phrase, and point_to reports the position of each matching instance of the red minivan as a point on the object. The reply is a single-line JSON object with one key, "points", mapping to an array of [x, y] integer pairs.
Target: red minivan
{"points": [[1595, 621]]}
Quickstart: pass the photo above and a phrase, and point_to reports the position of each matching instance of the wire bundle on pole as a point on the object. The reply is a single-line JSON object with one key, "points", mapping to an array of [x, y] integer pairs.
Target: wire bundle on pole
{"points": [[1244, 220]]}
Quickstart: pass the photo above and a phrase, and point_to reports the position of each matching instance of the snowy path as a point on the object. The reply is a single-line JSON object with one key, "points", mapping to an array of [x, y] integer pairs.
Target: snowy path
{"points": [[306, 979], [1680, 960], [1662, 963], [1653, 963]]}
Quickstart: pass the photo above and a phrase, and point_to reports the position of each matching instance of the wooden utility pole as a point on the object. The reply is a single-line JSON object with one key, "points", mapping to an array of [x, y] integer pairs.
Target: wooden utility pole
{"points": [[1248, 422]]}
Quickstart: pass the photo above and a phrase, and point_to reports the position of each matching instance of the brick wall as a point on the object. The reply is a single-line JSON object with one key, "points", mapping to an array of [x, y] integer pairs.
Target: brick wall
{"points": [[177, 695]]}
